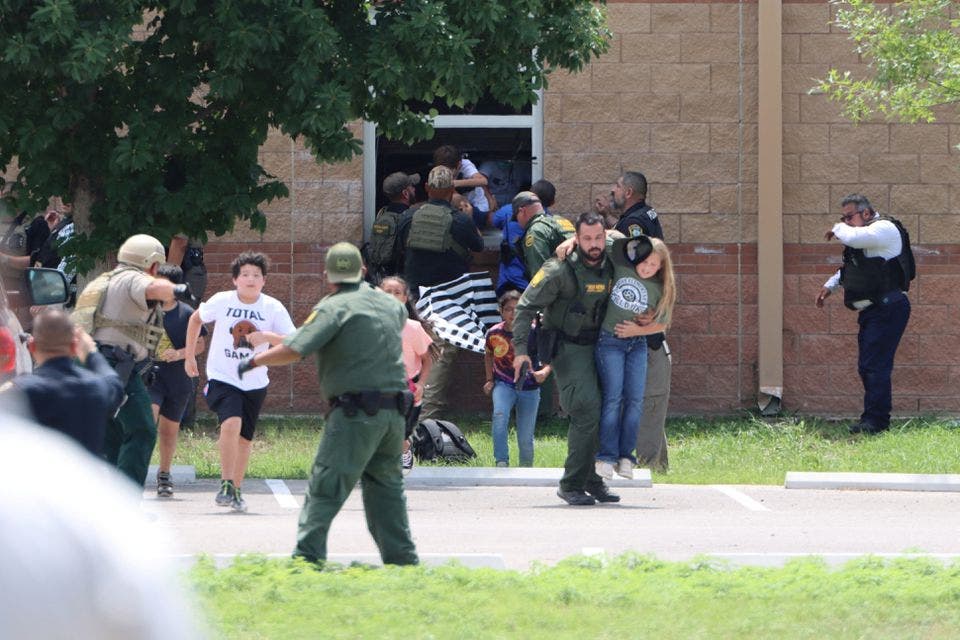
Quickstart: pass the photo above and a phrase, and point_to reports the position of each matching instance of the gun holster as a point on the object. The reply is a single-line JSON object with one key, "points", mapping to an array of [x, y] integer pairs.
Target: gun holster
{"points": [[547, 340]]}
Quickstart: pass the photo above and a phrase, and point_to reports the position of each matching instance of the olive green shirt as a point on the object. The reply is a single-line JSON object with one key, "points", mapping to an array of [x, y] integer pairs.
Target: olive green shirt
{"points": [[551, 289], [355, 333], [630, 295], [541, 237]]}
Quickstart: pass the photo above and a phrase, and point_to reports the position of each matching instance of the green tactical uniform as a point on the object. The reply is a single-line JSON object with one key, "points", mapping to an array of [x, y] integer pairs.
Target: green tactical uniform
{"points": [[573, 297], [355, 333], [540, 238]]}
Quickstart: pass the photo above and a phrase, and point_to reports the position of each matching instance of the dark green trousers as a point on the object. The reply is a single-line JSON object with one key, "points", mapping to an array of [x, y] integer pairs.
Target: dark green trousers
{"points": [[365, 448], [131, 436], [652, 437], [580, 399]]}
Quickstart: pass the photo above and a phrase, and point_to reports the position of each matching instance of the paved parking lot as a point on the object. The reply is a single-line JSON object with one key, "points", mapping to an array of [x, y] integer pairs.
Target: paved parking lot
{"points": [[517, 526]]}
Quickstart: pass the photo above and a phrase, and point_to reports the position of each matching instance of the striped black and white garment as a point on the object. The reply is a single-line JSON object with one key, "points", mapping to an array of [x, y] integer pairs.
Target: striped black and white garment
{"points": [[461, 310]]}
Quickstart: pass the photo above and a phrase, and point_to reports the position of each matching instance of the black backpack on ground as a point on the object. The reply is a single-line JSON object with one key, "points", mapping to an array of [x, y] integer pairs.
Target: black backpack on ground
{"points": [[440, 440]]}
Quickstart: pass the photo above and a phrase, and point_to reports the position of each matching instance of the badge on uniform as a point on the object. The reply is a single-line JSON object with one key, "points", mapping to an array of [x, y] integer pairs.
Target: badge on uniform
{"points": [[537, 278], [528, 240], [596, 288], [634, 231]]}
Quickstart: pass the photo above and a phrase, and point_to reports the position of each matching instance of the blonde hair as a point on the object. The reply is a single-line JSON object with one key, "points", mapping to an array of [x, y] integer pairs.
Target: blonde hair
{"points": [[664, 310]]}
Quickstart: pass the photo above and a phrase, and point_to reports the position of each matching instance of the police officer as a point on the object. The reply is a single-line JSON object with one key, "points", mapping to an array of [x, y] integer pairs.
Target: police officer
{"points": [[121, 310], [572, 295], [541, 232], [355, 332], [876, 272], [385, 250], [75, 398], [438, 241], [630, 197]]}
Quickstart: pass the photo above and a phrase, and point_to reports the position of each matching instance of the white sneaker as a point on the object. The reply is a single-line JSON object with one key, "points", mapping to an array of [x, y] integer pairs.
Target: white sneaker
{"points": [[625, 468], [406, 462], [604, 469]]}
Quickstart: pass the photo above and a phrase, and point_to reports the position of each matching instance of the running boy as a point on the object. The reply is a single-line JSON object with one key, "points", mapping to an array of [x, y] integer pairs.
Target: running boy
{"points": [[245, 321], [171, 387]]}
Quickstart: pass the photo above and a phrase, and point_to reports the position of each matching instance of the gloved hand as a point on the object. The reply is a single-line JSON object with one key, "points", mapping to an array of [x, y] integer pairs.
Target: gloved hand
{"points": [[243, 366], [182, 292]]}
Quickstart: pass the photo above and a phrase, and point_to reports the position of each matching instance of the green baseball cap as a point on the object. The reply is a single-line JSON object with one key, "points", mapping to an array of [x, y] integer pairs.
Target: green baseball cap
{"points": [[343, 263]]}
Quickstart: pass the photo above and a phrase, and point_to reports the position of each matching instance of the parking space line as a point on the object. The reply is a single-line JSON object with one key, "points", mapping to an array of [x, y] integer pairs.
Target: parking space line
{"points": [[282, 493], [740, 497]]}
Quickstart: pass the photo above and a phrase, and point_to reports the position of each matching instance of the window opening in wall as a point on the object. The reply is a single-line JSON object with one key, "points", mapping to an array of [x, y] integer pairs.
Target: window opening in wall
{"points": [[505, 144]]}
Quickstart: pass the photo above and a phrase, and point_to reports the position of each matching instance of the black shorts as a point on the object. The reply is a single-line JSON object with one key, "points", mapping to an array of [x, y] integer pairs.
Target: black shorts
{"points": [[227, 401], [171, 390]]}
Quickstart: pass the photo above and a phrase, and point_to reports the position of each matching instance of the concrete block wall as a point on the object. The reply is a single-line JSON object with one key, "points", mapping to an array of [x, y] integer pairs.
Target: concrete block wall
{"points": [[676, 97]]}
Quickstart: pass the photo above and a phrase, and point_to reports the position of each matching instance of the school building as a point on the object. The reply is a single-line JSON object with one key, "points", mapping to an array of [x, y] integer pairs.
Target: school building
{"points": [[711, 100]]}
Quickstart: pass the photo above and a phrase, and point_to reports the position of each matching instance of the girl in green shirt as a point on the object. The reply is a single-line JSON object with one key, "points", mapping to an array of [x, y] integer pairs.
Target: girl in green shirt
{"points": [[641, 303]]}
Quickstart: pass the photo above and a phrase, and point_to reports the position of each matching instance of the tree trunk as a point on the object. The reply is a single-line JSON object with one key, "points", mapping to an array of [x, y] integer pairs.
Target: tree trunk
{"points": [[83, 197]]}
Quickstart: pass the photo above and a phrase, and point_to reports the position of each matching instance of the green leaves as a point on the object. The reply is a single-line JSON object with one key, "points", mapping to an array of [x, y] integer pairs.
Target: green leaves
{"points": [[912, 50], [99, 95]]}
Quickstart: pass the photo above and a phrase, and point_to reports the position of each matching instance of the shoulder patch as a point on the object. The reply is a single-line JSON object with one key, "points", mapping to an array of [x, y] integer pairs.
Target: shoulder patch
{"points": [[537, 278], [565, 224], [310, 318], [652, 214], [528, 240]]}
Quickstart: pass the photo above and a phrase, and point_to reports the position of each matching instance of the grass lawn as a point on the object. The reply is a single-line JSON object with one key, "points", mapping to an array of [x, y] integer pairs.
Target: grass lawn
{"points": [[631, 596], [740, 450]]}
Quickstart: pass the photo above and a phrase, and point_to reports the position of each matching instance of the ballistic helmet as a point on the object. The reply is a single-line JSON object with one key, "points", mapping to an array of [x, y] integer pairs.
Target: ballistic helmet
{"points": [[141, 251]]}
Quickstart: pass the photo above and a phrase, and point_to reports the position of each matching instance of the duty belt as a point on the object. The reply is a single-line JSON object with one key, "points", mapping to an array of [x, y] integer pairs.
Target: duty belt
{"points": [[371, 402], [584, 337]]}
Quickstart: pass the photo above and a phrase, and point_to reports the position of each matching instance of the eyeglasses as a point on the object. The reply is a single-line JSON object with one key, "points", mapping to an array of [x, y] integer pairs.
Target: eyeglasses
{"points": [[849, 216]]}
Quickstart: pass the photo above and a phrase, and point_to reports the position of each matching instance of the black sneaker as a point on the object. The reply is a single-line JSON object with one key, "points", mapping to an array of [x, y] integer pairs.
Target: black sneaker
{"points": [[225, 497], [576, 498], [602, 494], [164, 484]]}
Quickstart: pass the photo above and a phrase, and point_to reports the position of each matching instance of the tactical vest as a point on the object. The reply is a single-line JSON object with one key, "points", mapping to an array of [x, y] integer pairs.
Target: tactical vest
{"points": [[555, 229], [866, 278], [430, 230], [579, 318], [383, 240], [88, 314]]}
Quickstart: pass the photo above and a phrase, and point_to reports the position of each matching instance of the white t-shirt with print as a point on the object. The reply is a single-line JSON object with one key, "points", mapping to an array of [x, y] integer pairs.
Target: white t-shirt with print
{"points": [[476, 197], [234, 320]]}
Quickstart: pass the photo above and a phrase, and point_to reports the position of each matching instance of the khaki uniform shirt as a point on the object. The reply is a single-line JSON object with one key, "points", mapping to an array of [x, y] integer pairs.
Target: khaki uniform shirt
{"points": [[126, 301], [355, 333], [541, 237]]}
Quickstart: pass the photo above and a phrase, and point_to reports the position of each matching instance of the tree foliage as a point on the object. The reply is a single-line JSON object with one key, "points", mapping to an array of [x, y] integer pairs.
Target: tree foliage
{"points": [[149, 114], [912, 49]]}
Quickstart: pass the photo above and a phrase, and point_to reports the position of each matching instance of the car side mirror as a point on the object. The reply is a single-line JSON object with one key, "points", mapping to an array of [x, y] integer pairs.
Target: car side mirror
{"points": [[46, 286]]}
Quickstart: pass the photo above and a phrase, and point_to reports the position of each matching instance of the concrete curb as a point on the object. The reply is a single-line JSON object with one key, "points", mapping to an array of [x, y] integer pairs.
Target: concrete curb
{"points": [[873, 481], [506, 477], [180, 474], [458, 477], [831, 559]]}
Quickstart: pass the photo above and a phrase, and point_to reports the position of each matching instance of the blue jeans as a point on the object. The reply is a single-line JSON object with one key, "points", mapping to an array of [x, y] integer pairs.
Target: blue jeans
{"points": [[622, 369], [505, 397], [881, 327]]}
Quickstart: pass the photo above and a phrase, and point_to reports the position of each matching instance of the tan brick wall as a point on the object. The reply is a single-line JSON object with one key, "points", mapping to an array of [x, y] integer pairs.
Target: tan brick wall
{"points": [[676, 97]]}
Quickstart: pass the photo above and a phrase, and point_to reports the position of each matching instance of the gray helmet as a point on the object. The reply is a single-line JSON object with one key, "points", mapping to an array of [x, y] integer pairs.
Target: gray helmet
{"points": [[141, 251]]}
